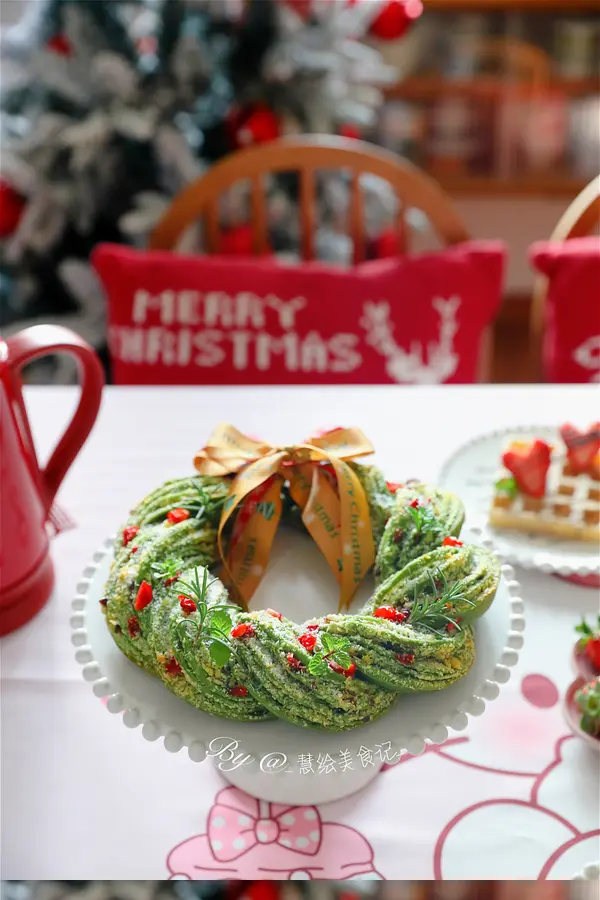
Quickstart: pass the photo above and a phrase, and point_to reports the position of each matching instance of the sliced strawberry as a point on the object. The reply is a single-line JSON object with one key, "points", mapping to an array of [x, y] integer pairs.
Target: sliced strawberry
{"points": [[582, 446], [529, 466]]}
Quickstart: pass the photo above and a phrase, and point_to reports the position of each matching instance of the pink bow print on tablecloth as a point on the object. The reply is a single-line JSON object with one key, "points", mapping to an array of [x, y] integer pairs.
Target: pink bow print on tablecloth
{"points": [[248, 839], [239, 822]]}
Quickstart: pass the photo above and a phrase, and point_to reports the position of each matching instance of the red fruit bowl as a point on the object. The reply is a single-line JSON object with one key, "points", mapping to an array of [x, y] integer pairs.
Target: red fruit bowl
{"points": [[573, 716]]}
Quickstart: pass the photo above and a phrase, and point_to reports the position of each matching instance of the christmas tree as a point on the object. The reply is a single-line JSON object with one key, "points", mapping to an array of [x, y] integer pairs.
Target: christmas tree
{"points": [[121, 103]]}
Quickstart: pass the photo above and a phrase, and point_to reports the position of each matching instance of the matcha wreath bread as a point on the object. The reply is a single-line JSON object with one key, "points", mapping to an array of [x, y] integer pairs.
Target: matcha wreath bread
{"points": [[170, 615]]}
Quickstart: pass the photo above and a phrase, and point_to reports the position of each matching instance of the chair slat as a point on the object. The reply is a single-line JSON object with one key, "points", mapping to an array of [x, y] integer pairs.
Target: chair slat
{"points": [[307, 212], [260, 238], [356, 224], [211, 227]]}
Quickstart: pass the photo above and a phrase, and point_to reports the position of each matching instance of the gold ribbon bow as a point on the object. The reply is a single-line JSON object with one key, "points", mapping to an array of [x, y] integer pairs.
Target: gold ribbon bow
{"points": [[334, 505]]}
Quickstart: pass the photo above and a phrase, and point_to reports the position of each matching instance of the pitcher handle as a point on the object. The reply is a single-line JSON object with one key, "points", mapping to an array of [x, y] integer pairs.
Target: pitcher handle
{"points": [[43, 340]]}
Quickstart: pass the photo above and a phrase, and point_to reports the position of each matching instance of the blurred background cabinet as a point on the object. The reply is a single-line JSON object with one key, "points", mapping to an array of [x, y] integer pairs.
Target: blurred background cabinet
{"points": [[500, 101]]}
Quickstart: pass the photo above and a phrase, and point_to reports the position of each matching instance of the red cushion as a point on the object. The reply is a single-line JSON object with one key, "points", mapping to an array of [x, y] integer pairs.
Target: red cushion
{"points": [[208, 320], [571, 345]]}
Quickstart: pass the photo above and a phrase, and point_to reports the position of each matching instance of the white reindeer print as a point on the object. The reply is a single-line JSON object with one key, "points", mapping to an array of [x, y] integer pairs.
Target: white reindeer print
{"points": [[414, 367]]}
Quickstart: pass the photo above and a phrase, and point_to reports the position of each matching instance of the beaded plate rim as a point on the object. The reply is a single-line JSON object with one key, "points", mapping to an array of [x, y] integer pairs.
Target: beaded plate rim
{"points": [[135, 715], [590, 872], [519, 552]]}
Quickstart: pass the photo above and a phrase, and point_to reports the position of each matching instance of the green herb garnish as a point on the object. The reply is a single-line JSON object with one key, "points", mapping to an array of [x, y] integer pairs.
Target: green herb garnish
{"points": [[168, 568], [507, 486], [212, 623], [424, 519], [204, 501], [432, 612], [335, 649]]}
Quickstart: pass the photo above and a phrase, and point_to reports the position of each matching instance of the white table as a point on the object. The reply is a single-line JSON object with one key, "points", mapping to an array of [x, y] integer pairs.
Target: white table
{"points": [[83, 797]]}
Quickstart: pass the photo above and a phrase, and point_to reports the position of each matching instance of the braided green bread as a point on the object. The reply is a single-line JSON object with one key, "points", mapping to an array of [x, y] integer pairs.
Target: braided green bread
{"points": [[168, 615]]}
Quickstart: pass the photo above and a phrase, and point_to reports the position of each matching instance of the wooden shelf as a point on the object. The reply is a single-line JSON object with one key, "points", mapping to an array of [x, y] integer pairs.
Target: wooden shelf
{"points": [[483, 185], [431, 86], [568, 7]]}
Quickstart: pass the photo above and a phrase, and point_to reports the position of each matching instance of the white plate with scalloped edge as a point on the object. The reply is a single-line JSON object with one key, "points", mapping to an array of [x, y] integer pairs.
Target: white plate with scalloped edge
{"points": [[471, 473], [299, 584]]}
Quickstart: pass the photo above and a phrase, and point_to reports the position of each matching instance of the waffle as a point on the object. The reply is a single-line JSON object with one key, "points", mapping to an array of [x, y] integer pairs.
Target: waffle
{"points": [[569, 510]]}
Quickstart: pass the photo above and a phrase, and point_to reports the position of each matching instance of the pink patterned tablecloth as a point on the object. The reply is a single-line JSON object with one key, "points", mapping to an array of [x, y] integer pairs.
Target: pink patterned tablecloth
{"points": [[515, 796]]}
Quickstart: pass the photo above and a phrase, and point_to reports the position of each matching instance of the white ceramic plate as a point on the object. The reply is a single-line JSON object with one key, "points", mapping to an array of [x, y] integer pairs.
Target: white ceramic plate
{"points": [[471, 473], [299, 584]]}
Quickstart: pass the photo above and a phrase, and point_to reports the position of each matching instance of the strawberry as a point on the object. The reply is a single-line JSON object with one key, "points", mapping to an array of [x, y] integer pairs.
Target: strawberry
{"points": [[582, 446], [347, 673], [529, 466], [129, 533], [589, 642]]}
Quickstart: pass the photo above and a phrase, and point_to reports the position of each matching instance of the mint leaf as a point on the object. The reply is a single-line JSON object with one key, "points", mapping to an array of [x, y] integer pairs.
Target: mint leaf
{"points": [[219, 653], [507, 486], [318, 666], [220, 622], [342, 659], [333, 643]]}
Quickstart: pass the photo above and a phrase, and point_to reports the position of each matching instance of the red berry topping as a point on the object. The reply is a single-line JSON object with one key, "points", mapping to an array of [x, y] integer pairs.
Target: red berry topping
{"points": [[529, 465], [173, 667], [347, 673], [450, 627], [238, 690], [129, 533], [187, 604], [405, 658], [178, 515], [393, 486], [274, 613], [414, 503], [144, 596], [451, 542], [170, 580], [244, 629], [314, 627], [135, 549], [133, 627], [385, 612], [308, 641], [398, 535], [294, 663], [389, 612], [104, 601], [582, 446]]}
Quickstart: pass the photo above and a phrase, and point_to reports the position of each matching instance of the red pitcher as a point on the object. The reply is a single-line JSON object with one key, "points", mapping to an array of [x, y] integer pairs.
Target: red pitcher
{"points": [[26, 491]]}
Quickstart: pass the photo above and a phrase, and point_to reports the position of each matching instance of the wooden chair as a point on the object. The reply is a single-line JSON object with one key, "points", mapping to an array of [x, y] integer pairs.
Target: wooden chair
{"points": [[305, 155], [581, 218]]}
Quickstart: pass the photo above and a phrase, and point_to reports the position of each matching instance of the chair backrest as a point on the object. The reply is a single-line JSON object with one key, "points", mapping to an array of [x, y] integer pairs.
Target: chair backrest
{"points": [[580, 219], [305, 155]]}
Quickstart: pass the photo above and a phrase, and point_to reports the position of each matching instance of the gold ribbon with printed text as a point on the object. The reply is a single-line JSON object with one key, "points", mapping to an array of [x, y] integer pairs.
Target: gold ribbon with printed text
{"points": [[334, 506]]}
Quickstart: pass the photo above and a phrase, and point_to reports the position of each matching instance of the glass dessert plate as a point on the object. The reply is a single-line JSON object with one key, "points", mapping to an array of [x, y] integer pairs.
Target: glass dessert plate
{"points": [[269, 760], [471, 473]]}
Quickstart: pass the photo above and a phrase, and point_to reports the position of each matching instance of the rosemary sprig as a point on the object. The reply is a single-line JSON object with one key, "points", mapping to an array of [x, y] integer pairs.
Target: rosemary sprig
{"points": [[212, 623], [431, 612], [205, 497], [424, 519], [335, 649]]}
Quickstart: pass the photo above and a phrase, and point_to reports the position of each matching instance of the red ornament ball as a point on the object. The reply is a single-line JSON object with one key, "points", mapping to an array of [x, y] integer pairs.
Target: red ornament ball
{"points": [[11, 209], [257, 126], [60, 45], [395, 18]]}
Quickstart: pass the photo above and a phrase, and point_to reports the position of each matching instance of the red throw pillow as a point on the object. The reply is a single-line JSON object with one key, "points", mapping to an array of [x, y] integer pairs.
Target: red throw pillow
{"points": [[571, 344], [209, 320]]}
